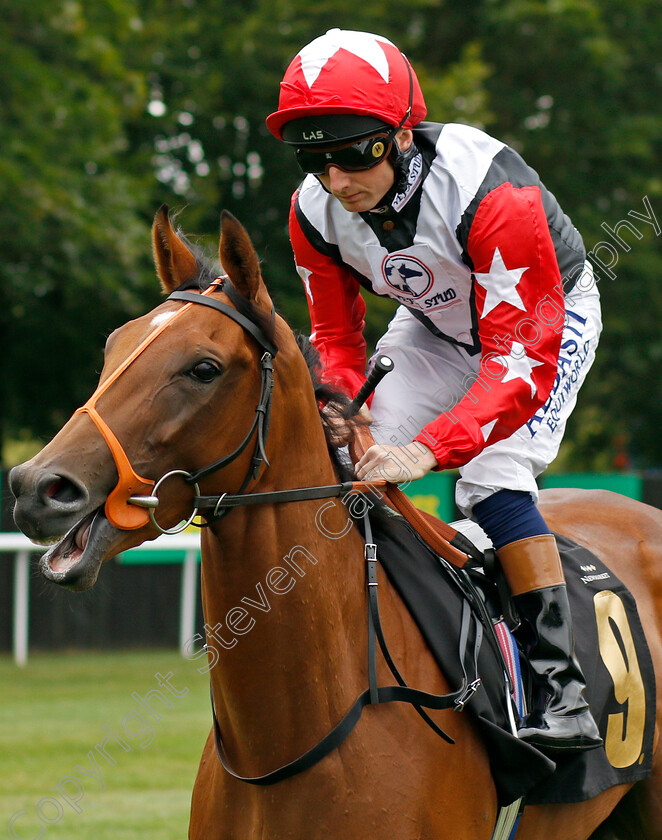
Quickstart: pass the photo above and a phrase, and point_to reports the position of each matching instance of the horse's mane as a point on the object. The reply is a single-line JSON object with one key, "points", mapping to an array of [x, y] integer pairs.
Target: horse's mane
{"points": [[335, 402], [332, 399], [328, 397]]}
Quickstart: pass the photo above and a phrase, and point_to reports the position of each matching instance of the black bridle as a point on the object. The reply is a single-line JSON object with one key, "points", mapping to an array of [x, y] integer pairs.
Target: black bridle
{"points": [[260, 424], [259, 427], [222, 504]]}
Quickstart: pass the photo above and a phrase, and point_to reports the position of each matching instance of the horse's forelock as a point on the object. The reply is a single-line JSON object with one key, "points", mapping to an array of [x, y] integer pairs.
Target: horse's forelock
{"points": [[208, 271]]}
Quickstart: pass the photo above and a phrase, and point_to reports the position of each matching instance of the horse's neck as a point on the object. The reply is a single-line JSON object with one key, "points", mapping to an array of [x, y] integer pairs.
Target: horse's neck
{"points": [[284, 599]]}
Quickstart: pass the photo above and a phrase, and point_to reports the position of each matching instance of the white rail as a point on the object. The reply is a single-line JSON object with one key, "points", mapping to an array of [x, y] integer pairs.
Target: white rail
{"points": [[22, 549]]}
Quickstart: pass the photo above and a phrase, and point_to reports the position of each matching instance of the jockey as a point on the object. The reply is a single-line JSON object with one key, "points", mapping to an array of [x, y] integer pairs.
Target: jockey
{"points": [[497, 324]]}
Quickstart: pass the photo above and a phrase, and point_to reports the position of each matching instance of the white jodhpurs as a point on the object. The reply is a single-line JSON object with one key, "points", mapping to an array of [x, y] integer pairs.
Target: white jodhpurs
{"points": [[430, 376]]}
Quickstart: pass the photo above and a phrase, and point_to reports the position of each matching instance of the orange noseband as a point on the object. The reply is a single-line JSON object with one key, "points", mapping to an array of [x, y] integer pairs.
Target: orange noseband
{"points": [[119, 512]]}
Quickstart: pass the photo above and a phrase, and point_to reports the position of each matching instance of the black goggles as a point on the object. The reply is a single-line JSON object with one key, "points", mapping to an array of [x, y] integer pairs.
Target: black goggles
{"points": [[364, 154]]}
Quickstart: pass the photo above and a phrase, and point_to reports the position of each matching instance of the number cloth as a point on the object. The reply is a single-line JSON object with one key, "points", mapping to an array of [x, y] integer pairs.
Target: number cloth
{"points": [[620, 682], [610, 646]]}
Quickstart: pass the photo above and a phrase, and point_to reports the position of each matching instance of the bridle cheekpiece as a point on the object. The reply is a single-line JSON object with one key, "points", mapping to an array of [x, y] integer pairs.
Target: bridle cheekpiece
{"points": [[133, 501]]}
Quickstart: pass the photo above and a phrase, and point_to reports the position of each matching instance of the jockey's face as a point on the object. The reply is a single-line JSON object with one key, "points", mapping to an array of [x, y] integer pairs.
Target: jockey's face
{"points": [[361, 190]]}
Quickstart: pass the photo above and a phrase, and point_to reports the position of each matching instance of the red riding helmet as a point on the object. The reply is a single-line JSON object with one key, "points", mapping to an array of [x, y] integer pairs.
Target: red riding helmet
{"points": [[350, 73]]}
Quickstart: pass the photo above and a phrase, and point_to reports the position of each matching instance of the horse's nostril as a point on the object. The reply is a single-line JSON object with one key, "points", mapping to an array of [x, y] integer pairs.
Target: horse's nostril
{"points": [[58, 488], [61, 490]]}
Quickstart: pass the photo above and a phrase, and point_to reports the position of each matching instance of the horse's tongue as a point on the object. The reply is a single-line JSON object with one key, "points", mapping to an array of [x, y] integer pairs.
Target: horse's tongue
{"points": [[82, 535]]}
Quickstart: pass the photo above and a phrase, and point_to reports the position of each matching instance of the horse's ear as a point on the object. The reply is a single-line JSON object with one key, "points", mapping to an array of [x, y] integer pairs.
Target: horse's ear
{"points": [[240, 261], [175, 264]]}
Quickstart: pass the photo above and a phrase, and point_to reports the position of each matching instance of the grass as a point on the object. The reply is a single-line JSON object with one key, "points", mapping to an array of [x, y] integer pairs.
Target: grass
{"points": [[53, 716]]}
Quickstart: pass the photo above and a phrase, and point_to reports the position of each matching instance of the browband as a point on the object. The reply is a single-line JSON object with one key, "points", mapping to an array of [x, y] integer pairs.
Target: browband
{"points": [[257, 333]]}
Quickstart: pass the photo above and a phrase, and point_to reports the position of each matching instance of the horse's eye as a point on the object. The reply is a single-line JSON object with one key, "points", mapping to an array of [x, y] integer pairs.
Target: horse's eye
{"points": [[205, 371]]}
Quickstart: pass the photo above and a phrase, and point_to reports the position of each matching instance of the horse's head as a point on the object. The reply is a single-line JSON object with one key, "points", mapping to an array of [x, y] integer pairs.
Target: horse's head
{"points": [[178, 391]]}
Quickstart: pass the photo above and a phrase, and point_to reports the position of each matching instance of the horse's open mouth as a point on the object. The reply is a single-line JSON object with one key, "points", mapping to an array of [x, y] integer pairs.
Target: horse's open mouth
{"points": [[75, 560]]}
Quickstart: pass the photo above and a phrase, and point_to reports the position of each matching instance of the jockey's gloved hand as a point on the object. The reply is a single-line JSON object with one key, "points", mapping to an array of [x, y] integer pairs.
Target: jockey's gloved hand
{"points": [[397, 464]]}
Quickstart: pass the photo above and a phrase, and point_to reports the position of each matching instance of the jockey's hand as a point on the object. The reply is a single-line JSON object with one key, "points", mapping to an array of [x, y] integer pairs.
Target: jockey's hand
{"points": [[396, 464]]}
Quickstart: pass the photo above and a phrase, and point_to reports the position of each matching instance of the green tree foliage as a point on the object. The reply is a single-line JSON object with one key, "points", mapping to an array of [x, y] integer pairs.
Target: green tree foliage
{"points": [[109, 109], [73, 239], [215, 76], [574, 84]]}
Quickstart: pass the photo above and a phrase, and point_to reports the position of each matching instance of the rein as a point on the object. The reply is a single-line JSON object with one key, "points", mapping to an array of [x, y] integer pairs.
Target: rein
{"points": [[376, 694], [132, 503]]}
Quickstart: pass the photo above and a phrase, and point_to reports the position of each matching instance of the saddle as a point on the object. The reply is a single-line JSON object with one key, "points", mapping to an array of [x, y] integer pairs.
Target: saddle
{"points": [[421, 554], [610, 645]]}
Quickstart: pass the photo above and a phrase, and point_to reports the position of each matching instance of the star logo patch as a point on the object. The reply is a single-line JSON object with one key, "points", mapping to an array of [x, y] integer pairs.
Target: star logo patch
{"points": [[500, 284]]}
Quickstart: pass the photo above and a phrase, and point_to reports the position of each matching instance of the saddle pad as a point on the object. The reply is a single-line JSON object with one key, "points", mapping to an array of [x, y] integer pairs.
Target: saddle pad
{"points": [[435, 603], [610, 645], [612, 649]]}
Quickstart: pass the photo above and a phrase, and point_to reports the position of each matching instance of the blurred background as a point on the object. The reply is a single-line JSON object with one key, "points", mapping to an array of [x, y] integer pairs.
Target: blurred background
{"points": [[109, 108]]}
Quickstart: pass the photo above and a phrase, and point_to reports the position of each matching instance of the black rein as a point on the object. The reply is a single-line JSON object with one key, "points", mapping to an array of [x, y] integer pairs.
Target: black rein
{"points": [[220, 505]]}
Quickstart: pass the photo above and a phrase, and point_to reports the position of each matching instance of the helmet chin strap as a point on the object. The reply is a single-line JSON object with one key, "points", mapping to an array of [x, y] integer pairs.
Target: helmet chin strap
{"points": [[399, 159], [401, 167], [400, 162]]}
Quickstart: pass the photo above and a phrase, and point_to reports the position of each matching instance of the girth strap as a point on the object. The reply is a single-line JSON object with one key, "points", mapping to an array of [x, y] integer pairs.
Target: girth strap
{"points": [[375, 630]]}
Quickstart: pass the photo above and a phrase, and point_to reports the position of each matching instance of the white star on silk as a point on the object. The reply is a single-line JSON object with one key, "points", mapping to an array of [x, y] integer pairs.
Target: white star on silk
{"points": [[304, 274], [487, 429], [518, 365], [500, 284], [315, 55]]}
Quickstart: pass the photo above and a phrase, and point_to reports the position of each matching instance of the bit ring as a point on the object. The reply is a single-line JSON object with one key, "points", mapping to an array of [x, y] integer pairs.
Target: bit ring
{"points": [[182, 526]]}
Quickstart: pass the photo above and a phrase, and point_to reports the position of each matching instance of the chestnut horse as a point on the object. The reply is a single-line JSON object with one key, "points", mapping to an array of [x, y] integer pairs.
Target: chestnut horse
{"points": [[179, 389]]}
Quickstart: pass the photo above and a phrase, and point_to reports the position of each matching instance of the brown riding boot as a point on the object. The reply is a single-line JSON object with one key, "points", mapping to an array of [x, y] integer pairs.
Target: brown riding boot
{"points": [[560, 719]]}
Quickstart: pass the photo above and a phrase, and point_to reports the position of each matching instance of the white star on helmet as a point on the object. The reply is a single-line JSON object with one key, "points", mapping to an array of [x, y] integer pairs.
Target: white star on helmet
{"points": [[363, 45]]}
